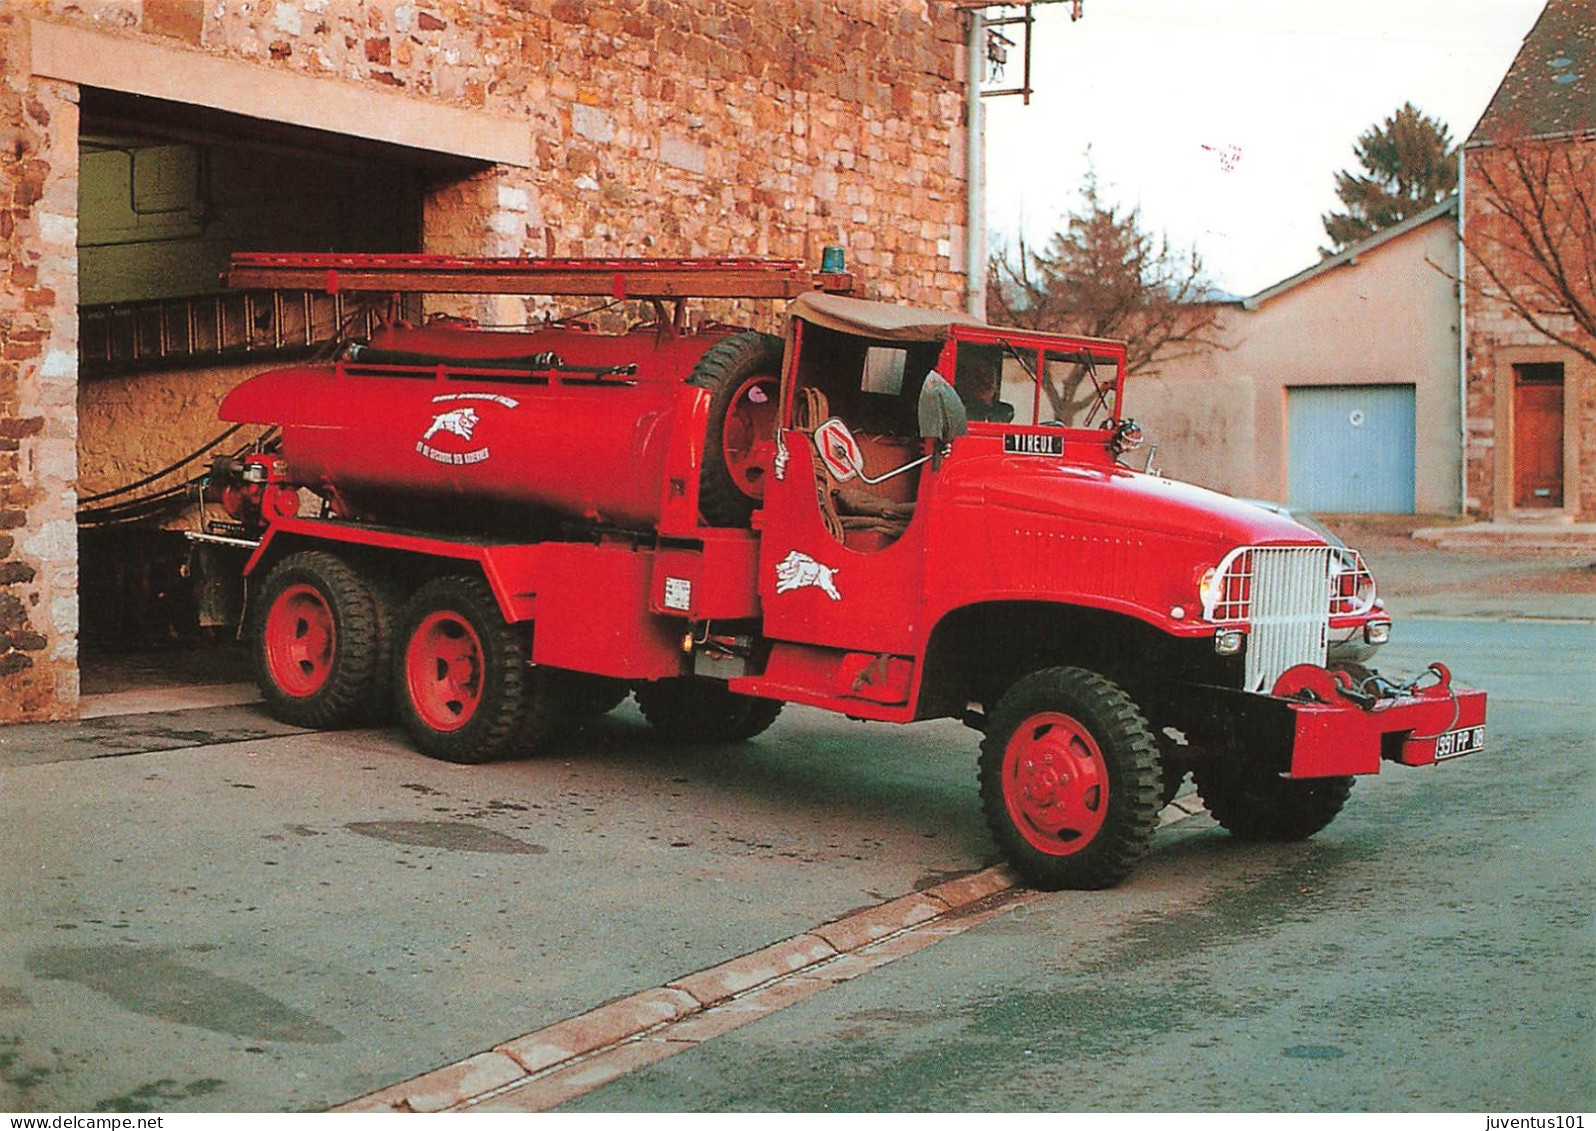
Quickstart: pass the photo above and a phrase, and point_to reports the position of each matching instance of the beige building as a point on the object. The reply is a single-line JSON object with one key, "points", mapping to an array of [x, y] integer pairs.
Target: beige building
{"points": [[145, 141], [1336, 390]]}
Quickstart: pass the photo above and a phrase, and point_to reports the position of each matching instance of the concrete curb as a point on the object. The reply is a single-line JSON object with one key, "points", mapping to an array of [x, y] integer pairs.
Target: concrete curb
{"points": [[1528, 535], [519, 1061], [157, 700], [545, 1068]]}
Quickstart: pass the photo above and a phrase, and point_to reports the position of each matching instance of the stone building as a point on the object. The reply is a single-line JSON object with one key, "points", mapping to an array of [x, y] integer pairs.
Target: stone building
{"points": [[1528, 171], [146, 140]]}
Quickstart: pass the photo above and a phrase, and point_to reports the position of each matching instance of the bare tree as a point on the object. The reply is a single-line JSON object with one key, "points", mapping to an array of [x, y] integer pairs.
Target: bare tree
{"points": [[1103, 276], [1532, 235]]}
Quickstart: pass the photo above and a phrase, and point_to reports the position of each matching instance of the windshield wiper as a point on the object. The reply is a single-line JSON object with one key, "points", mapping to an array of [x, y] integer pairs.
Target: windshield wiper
{"points": [[1019, 357], [1102, 397]]}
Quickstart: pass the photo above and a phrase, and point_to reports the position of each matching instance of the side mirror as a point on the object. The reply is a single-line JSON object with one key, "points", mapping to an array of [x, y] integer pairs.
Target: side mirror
{"points": [[942, 415]]}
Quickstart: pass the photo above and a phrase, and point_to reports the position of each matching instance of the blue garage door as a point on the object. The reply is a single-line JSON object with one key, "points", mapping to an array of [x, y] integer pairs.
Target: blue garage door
{"points": [[1351, 448]]}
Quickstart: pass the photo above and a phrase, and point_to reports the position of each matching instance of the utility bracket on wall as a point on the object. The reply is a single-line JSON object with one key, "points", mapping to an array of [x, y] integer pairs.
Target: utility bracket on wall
{"points": [[1000, 42]]}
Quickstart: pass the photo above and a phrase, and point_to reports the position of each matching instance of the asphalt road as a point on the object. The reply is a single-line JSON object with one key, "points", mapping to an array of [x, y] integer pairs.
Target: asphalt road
{"points": [[1431, 951], [285, 921]]}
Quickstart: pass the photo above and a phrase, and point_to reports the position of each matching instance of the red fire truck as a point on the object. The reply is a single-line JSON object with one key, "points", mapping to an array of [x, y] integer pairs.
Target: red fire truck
{"points": [[892, 513]]}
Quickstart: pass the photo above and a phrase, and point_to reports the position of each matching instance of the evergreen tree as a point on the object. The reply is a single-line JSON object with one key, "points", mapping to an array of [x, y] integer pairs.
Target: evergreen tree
{"points": [[1409, 163]]}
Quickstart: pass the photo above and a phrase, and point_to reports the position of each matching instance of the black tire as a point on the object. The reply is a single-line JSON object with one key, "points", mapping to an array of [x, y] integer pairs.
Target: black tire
{"points": [[584, 696], [319, 639], [1056, 738], [1255, 805], [464, 684], [703, 710], [729, 486]]}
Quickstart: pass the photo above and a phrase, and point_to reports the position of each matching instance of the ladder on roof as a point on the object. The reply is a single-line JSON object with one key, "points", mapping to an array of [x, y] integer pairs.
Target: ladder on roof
{"points": [[334, 273]]}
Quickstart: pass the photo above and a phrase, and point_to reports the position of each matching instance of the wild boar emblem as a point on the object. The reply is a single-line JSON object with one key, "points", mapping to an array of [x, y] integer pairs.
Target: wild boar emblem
{"points": [[800, 571], [460, 421]]}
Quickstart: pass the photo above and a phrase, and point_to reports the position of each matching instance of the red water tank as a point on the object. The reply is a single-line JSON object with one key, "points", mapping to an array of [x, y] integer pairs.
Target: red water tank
{"points": [[460, 429]]}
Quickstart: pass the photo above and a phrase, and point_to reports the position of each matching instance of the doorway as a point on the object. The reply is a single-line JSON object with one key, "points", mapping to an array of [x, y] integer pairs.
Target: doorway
{"points": [[167, 192], [1351, 448], [1538, 435]]}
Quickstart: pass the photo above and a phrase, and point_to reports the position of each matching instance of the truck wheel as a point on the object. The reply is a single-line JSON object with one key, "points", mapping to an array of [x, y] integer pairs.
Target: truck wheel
{"points": [[321, 642], [1252, 804], [585, 696], [1069, 779], [464, 682], [703, 710], [743, 376]]}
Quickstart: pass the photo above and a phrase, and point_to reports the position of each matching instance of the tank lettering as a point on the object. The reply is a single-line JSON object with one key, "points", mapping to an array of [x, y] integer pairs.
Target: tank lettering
{"points": [[461, 422], [457, 459], [496, 398]]}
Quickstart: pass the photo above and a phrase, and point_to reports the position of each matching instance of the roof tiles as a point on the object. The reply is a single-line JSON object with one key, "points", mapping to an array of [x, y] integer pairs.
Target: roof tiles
{"points": [[1550, 90]]}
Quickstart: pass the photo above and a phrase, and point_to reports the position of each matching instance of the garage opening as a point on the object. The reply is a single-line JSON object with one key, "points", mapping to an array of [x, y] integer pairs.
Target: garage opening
{"points": [[1351, 448], [167, 192]]}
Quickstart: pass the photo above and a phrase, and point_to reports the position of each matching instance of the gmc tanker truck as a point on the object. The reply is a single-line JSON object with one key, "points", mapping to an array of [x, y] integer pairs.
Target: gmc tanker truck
{"points": [[892, 513]]}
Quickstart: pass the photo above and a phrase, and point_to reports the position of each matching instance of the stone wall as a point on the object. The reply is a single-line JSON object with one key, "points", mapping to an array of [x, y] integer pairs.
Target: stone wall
{"points": [[683, 128], [38, 390], [657, 127], [1499, 336]]}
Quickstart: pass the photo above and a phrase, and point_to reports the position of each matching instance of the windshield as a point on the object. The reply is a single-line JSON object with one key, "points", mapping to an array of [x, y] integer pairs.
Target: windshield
{"points": [[1006, 384], [1078, 388]]}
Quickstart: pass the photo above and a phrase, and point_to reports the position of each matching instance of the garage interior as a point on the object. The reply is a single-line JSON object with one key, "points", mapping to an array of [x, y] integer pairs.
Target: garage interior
{"points": [[167, 193]]}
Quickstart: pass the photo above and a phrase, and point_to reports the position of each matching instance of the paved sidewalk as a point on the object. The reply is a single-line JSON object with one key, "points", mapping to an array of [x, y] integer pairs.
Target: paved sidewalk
{"points": [[1422, 579]]}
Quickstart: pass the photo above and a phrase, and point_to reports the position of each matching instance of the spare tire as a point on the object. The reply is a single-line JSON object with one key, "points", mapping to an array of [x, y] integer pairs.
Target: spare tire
{"points": [[743, 376]]}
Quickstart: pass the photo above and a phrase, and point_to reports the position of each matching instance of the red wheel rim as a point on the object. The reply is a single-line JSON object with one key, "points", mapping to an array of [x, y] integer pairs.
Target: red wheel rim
{"points": [[748, 436], [443, 669], [301, 641], [1055, 783]]}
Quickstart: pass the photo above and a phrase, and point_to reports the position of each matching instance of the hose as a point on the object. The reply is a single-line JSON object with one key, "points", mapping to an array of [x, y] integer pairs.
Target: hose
{"points": [[165, 471], [131, 512]]}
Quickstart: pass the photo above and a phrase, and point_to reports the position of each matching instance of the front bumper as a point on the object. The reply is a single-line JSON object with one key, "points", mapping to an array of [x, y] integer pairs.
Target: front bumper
{"points": [[1316, 724], [1338, 730]]}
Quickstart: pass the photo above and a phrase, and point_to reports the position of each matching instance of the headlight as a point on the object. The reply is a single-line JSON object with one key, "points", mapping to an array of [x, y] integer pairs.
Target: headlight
{"points": [[1351, 584], [1209, 590], [1377, 632], [1229, 642]]}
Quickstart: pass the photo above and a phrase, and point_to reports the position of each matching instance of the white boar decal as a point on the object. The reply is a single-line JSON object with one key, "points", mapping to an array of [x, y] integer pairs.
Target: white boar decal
{"points": [[800, 571], [460, 421]]}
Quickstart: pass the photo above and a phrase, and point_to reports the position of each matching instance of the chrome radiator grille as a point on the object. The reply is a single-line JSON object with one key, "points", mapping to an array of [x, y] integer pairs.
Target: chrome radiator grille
{"points": [[1286, 595]]}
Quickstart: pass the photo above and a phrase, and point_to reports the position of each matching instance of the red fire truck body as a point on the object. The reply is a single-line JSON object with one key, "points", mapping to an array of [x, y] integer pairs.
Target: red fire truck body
{"points": [[894, 514]]}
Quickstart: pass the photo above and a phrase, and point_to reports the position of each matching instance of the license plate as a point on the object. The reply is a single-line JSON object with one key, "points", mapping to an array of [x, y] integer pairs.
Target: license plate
{"points": [[1033, 444], [1456, 743]]}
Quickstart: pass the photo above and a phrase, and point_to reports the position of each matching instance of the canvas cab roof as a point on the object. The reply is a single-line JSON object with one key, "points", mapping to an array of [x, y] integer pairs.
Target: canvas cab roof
{"points": [[881, 320]]}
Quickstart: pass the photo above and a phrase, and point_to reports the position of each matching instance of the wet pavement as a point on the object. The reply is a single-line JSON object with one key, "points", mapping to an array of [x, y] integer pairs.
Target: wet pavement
{"points": [[1431, 951], [207, 910]]}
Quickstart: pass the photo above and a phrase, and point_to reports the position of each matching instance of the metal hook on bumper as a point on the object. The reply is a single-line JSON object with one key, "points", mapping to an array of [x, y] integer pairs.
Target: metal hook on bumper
{"points": [[1339, 728]]}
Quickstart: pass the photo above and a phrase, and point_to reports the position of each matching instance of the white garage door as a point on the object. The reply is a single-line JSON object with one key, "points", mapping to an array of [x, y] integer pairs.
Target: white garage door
{"points": [[1351, 448]]}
